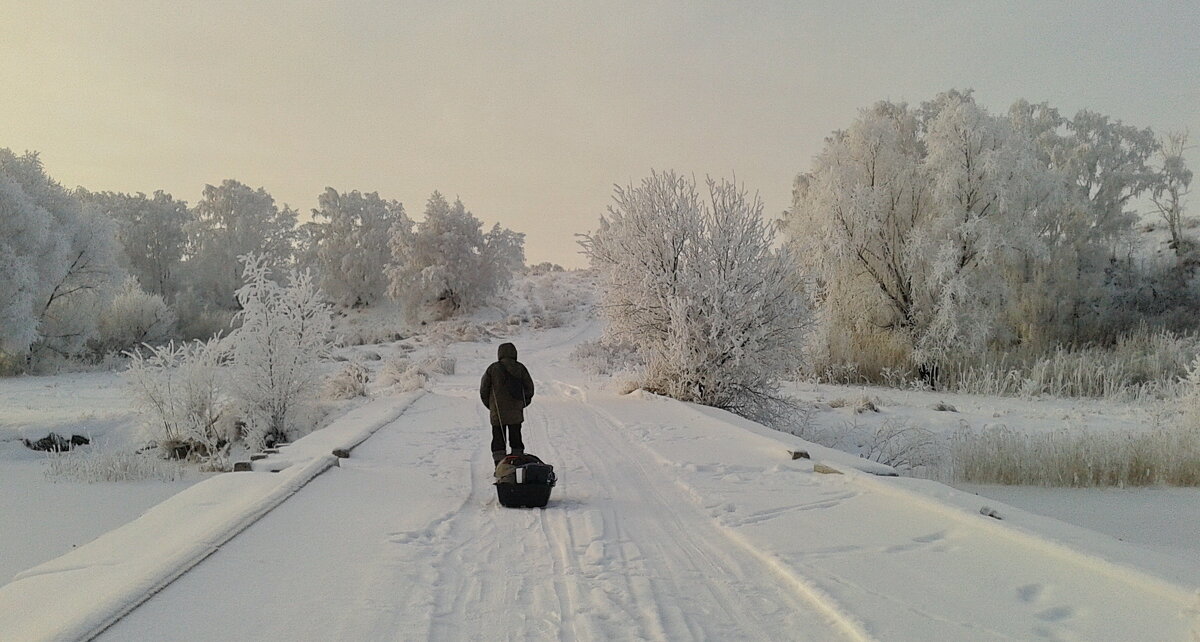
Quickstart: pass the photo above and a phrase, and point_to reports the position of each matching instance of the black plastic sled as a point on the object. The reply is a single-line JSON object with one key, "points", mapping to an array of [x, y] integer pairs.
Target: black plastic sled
{"points": [[524, 481]]}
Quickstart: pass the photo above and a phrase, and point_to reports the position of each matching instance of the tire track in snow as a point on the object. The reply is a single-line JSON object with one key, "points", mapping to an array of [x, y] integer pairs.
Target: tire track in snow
{"points": [[701, 583], [828, 609]]}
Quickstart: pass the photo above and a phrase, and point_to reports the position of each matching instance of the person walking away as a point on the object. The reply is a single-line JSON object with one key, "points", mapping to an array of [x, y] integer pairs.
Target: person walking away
{"points": [[506, 388]]}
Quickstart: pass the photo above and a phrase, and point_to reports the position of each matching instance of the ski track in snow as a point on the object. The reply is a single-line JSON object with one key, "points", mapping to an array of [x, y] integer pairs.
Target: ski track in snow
{"points": [[612, 558], [406, 541]]}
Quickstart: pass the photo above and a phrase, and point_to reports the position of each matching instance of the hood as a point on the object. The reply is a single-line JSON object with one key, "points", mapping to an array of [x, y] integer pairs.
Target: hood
{"points": [[507, 351]]}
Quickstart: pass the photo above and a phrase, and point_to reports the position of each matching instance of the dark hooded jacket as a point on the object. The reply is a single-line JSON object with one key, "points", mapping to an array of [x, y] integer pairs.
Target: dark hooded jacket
{"points": [[506, 387]]}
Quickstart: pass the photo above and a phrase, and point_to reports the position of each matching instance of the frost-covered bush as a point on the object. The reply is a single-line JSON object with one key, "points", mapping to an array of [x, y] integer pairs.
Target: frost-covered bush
{"points": [[999, 455], [94, 464], [179, 387], [198, 321], [903, 445], [402, 374], [447, 263], [548, 299], [370, 326], [275, 352], [897, 442], [348, 382], [132, 318], [606, 357], [438, 363], [545, 267], [458, 331], [715, 311]]}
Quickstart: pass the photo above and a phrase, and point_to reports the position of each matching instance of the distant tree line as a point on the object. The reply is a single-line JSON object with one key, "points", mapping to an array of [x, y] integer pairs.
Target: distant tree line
{"points": [[92, 273]]}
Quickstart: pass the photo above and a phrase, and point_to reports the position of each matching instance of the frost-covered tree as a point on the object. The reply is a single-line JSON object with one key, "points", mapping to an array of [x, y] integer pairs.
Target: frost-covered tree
{"points": [[503, 257], [347, 244], [284, 332], [913, 222], [984, 194], [1169, 194], [1077, 292], [232, 220], [447, 263], [1108, 164], [151, 231], [853, 217], [58, 258], [939, 231], [715, 311]]}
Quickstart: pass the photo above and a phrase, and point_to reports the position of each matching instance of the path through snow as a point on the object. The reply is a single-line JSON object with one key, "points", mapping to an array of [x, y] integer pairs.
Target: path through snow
{"points": [[406, 541]]}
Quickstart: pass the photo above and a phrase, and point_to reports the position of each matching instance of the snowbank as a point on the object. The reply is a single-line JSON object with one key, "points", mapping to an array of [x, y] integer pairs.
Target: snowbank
{"points": [[81, 593]]}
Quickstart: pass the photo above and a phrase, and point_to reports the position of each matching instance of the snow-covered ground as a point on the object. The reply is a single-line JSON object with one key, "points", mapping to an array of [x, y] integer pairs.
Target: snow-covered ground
{"points": [[1165, 520], [46, 517], [670, 521]]}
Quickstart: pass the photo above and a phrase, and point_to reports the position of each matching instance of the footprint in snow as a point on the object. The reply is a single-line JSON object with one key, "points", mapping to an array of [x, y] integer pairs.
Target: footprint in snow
{"points": [[1030, 592], [1056, 614]]}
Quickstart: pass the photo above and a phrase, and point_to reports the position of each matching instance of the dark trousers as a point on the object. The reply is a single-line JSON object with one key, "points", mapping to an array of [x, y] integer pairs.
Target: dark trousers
{"points": [[514, 438]]}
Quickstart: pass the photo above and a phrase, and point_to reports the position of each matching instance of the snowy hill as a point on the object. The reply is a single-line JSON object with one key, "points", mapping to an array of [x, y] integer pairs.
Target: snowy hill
{"points": [[670, 521]]}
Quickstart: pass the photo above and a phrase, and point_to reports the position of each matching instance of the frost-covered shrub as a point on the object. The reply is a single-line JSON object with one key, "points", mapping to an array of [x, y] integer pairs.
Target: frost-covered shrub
{"points": [[402, 374], [867, 404], [348, 382], [903, 445], [896, 442], [354, 330], [132, 318], [198, 321], [545, 267], [458, 331], [178, 386], [605, 357], [438, 363], [548, 299], [999, 455], [274, 353], [1189, 401], [93, 464], [394, 366], [715, 311]]}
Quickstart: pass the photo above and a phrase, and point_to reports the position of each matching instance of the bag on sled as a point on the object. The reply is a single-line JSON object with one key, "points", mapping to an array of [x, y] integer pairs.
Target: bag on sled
{"points": [[524, 480]]}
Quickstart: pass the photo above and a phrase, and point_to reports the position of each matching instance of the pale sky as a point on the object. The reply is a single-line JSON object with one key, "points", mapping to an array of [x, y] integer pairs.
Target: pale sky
{"points": [[531, 111]]}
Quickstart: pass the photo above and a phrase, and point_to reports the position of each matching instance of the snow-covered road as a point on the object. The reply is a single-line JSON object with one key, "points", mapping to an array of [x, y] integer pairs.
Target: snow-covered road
{"points": [[406, 541], [669, 523]]}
